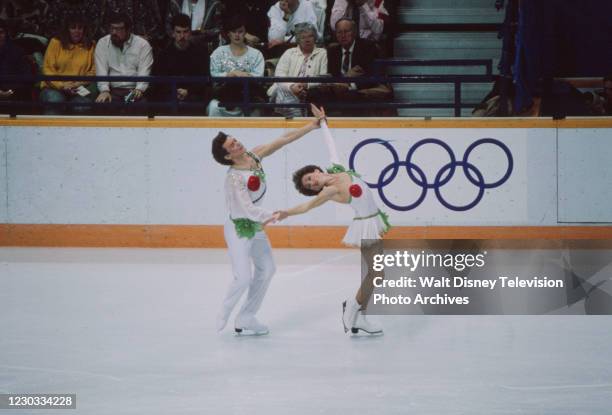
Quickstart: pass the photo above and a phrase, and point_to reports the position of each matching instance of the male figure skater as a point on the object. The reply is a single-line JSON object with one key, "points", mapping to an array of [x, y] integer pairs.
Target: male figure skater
{"points": [[249, 249]]}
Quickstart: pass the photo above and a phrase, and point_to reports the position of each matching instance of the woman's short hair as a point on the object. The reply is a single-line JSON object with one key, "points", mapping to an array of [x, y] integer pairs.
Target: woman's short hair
{"points": [[297, 179], [234, 22], [218, 151], [302, 28]]}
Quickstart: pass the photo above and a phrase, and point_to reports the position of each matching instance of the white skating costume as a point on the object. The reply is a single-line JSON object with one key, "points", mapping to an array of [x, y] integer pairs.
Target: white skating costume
{"points": [[367, 227], [249, 249], [369, 222]]}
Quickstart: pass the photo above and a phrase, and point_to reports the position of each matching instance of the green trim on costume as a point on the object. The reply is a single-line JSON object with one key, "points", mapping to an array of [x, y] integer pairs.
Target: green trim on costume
{"points": [[338, 168], [246, 228], [259, 172], [385, 219], [383, 216]]}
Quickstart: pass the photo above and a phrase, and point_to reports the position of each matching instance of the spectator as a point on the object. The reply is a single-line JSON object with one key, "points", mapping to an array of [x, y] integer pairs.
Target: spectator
{"points": [[256, 17], [369, 15], [62, 10], [183, 57], [122, 53], [235, 59], [607, 95], [12, 63], [284, 16], [71, 53], [144, 14], [205, 17], [354, 57], [305, 60]]}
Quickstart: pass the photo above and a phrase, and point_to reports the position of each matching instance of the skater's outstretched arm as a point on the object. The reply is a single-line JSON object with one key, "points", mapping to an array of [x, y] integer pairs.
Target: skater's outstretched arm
{"points": [[265, 150], [327, 137], [324, 195]]}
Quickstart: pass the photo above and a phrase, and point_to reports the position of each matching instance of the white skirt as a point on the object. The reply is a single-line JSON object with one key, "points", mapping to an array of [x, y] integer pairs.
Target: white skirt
{"points": [[365, 232]]}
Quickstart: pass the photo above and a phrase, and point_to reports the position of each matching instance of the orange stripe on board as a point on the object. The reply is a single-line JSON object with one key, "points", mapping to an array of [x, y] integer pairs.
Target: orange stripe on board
{"points": [[226, 122], [211, 236]]}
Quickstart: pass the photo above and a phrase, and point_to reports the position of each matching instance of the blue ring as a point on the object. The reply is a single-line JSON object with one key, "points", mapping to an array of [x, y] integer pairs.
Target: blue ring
{"points": [[504, 148], [411, 165]]}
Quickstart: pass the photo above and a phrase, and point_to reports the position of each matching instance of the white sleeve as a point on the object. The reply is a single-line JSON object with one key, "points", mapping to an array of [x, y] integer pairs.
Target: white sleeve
{"points": [[329, 142], [242, 205], [259, 64], [216, 64], [282, 70], [338, 11], [278, 26], [101, 59]]}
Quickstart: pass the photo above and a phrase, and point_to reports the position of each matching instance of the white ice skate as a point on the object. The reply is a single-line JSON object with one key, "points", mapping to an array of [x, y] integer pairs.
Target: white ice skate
{"points": [[363, 324], [350, 309], [252, 328]]}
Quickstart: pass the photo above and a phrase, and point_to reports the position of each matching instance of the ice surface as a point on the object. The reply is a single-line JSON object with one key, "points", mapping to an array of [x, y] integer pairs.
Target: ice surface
{"points": [[131, 331]]}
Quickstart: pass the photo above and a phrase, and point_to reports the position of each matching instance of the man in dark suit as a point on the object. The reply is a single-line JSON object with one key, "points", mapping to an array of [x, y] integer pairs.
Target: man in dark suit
{"points": [[354, 57]]}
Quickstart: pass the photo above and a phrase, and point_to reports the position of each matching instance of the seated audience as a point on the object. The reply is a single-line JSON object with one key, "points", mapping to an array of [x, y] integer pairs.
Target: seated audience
{"points": [[353, 57], [183, 57], [12, 63], [71, 53], [122, 53], [369, 15], [284, 16], [234, 60], [305, 60]]}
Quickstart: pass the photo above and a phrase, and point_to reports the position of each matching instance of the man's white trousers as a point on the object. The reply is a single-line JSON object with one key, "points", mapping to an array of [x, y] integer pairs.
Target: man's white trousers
{"points": [[252, 268]]}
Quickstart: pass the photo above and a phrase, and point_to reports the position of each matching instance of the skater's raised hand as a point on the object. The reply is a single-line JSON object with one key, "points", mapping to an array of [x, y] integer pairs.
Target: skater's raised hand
{"points": [[319, 113]]}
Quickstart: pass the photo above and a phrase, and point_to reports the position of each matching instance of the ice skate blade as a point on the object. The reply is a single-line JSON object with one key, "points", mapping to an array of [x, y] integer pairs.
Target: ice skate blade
{"points": [[343, 310], [248, 332], [356, 330]]}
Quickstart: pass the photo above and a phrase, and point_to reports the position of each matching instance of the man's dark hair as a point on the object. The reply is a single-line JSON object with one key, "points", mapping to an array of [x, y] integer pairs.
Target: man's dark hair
{"points": [[297, 179], [608, 78], [116, 18], [218, 151], [181, 20]]}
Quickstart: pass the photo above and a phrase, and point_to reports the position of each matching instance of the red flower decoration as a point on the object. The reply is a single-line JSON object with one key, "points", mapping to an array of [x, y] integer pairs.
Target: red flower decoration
{"points": [[355, 190], [253, 183]]}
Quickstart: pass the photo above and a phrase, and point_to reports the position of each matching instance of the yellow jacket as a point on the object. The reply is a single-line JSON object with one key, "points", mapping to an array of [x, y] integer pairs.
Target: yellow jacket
{"points": [[73, 61]]}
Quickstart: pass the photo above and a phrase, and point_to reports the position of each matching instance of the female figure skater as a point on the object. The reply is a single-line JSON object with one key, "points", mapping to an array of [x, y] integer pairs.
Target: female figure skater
{"points": [[365, 231], [249, 249]]}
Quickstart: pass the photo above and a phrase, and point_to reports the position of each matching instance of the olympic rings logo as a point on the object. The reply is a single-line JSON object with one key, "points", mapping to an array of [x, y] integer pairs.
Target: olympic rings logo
{"points": [[444, 175]]}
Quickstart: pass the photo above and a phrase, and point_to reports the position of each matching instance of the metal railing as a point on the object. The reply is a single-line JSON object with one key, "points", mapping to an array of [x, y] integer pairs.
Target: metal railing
{"points": [[247, 104]]}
